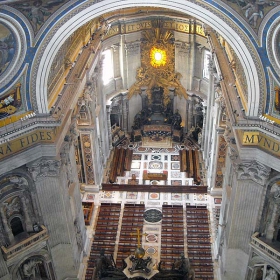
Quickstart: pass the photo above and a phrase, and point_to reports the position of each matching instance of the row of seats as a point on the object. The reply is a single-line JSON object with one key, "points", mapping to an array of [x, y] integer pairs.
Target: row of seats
{"points": [[172, 234], [105, 234], [133, 218], [198, 242]]}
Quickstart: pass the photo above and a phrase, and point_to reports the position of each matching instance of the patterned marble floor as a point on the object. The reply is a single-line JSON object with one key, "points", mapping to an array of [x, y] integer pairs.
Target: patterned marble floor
{"points": [[156, 161]]}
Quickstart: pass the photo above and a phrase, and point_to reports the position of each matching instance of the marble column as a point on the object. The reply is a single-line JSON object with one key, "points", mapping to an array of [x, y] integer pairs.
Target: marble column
{"points": [[203, 128], [124, 112], [108, 109], [210, 100], [190, 114], [51, 184]]}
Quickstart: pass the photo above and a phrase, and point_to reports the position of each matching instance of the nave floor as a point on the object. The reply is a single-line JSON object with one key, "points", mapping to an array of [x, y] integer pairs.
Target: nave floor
{"points": [[157, 160]]}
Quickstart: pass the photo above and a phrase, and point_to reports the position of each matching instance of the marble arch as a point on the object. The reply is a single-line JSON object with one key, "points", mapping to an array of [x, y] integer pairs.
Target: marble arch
{"points": [[246, 54]]}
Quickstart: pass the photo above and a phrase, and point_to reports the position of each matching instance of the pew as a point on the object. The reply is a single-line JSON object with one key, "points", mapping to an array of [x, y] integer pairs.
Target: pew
{"points": [[198, 241], [133, 218]]}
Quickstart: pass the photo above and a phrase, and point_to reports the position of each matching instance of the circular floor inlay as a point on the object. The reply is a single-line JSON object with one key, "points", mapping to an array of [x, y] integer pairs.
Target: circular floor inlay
{"points": [[151, 237], [152, 215], [151, 250]]}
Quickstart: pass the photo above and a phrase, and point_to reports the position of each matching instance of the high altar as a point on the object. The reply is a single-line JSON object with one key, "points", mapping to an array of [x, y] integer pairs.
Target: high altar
{"points": [[156, 123]]}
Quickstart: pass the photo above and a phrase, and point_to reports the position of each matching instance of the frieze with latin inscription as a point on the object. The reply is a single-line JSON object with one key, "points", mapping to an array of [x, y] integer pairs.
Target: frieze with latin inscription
{"points": [[258, 139], [144, 25], [26, 141]]}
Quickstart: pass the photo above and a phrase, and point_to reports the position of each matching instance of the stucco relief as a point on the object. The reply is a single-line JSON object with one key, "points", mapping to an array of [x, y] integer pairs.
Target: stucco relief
{"points": [[44, 168]]}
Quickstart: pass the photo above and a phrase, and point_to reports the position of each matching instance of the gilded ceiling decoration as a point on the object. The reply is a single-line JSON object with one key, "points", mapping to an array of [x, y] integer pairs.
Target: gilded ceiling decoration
{"points": [[10, 103], [157, 65]]}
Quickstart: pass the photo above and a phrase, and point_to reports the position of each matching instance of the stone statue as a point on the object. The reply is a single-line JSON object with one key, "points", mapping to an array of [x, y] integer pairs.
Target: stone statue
{"points": [[271, 274], [29, 269], [275, 190], [176, 120], [105, 269]]}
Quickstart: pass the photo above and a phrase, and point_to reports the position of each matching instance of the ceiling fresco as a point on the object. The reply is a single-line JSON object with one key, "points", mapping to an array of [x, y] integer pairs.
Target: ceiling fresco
{"points": [[248, 17], [253, 11], [37, 12], [7, 47]]}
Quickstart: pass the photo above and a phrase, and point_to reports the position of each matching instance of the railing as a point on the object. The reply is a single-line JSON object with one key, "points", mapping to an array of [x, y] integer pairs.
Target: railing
{"points": [[255, 241], [11, 251]]}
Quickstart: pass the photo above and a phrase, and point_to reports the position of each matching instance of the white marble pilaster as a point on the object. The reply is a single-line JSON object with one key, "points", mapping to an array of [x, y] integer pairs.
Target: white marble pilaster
{"points": [[124, 112], [245, 206], [52, 187], [108, 109]]}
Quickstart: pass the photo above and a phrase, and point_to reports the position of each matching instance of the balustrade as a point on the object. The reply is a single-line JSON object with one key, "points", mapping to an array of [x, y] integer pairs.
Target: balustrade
{"points": [[30, 241], [263, 246]]}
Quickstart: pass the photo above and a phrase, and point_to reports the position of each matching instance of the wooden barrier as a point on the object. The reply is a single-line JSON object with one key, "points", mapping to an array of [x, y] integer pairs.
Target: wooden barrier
{"points": [[154, 188]]}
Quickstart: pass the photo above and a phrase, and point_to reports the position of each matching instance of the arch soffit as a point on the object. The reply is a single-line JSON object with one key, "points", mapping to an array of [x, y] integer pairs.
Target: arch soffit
{"points": [[20, 51], [255, 80]]}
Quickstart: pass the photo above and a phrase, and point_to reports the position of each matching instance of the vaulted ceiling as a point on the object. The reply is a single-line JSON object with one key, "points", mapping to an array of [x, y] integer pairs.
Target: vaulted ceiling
{"points": [[40, 28]]}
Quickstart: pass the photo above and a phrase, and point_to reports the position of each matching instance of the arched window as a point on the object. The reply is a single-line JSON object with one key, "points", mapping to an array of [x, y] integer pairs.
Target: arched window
{"points": [[16, 226], [206, 58], [107, 67]]}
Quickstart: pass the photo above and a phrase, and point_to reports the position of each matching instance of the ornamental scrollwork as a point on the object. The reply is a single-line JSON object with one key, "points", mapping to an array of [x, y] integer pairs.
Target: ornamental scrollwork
{"points": [[253, 171], [45, 168]]}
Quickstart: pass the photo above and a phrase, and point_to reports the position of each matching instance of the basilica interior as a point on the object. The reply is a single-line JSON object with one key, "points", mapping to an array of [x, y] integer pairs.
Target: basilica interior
{"points": [[139, 140]]}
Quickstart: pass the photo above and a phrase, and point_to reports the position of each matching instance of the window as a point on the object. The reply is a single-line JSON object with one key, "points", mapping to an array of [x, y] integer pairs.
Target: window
{"points": [[107, 66], [206, 57]]}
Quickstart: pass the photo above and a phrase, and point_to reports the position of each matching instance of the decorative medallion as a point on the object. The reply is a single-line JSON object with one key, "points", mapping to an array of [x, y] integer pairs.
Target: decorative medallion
{"points": [[155, 165], [153, 216], [155, 157], [154, 196], [151, 237]]}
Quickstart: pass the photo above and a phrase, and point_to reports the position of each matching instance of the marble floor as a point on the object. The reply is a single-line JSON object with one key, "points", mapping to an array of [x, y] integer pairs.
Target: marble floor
{"points": [[156, 161]]}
